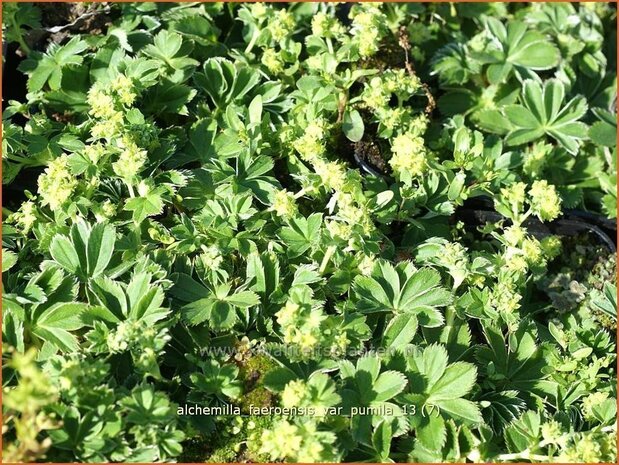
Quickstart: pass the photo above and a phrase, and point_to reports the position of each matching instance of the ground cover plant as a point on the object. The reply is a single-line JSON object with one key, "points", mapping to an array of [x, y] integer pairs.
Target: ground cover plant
{"points": [[345, 232]]}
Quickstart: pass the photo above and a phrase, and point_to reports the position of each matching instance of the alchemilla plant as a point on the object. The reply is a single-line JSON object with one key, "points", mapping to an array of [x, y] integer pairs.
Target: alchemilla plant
{"points": [[314, 232]]}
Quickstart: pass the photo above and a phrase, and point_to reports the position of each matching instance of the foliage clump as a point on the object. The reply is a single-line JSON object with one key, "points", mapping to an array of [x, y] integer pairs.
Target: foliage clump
{"points": [[277, 206]]}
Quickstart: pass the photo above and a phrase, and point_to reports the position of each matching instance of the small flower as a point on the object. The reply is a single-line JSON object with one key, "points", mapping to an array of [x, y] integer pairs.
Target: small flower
{"points": [[104, 211], [326, 26], [409, 155], [514, 235], [552, 433], [591, 401], [366, 265], [281, 25], [123, 87], [310, 145], [545, 201], [94, 152], [288, 313], [333, 174], [293, 394], [57, 183], [517, 263], [284, 204], [374, 94], [367, 28], [515, 196], [109, 127], [130, 161], [25, 217], [551, 246], [258, 10], [532, 251], [339, 229], [211, 258], [272, 60], [101, 104]]}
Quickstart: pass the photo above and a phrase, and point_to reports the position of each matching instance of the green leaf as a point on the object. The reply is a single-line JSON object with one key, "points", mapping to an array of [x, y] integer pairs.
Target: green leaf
{"points": [[100, 248], [353, 126], [513, 48], [432, 432], [243, 299], [388, 385], [400, 331], [149, 205], [63, 315], [543, 112], [187, 289], [47, 68], [604, 131], [381, 439], [460, 409], [302, 234], [457, 381], [9, 259], [63, 252], [402, 290], [523, 433]]}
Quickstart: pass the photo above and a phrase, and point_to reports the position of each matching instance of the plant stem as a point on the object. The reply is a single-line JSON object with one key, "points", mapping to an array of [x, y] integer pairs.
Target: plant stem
{"points": [[525, 454], [325, 260], [20, 38], [253, 40]]}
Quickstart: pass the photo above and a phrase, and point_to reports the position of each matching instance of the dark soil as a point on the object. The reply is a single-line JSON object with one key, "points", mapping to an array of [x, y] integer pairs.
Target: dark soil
{"points": [[369, 152], [59, 21]]}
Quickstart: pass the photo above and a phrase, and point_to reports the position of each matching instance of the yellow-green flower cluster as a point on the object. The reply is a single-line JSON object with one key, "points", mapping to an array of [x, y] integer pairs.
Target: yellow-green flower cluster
{"points": [[300, 326], [409, 155], [130, 161], [293, 394], [109, 127], [353, 213], [104, 102], [523, 251], [378, 91], [335, 177], [366, 264], [272, 60], [367, 28], [311, 144], [297, 443], [142, 341], [281, 25], [505, 298], [327, 26], [536, 158], [101, 103], [107, 105], [515, 195], [544, 201], [591, 401], [259, 11], [25, 217], [57, 183], [592, 447], [124, 89], [94, 152], [552, 433], [24, 417], [332, 174], [104, 211], [284, 204]]}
